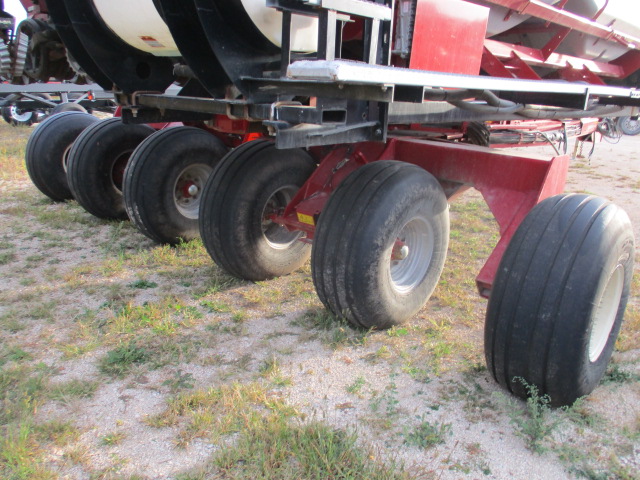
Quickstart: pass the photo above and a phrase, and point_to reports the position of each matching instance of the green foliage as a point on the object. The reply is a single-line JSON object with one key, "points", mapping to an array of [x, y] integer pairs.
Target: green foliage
{"points": [[119, 361], [180, 381], [65, 392], [534, 423], [426, 434], [143, 284], [356, 386]]}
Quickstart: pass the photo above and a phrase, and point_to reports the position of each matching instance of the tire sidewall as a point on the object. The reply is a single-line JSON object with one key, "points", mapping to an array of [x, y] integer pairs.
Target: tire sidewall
{"points": [[263, 183], [596, 263], [151, 176], [46, 151], [92, 160], [370, 264]]}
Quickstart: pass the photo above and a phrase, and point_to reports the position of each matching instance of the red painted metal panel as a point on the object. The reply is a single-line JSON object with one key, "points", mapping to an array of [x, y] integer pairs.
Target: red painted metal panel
{"points": [[511, 184], [448, 36]]}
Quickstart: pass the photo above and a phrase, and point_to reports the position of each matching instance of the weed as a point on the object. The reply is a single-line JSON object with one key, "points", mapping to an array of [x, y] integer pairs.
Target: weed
{"points": [[387, 400], [143, 284], [616, 375], [533, 422], [356, 386], [336, 332], [119, 361], [7, 257], [426, 435], [216, 412], [270, 369], [17, 460], [64, 392], [214, 306], [180, 381], [111, 439], [57, 432], [16, 354]]}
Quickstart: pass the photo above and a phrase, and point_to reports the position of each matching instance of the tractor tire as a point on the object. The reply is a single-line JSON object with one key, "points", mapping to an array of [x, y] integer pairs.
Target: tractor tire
{"points": [[629, 125], [48, 149], [97, 161], [164, 180], [250, 184], [559, 298], [68, 107], [381, 244]]}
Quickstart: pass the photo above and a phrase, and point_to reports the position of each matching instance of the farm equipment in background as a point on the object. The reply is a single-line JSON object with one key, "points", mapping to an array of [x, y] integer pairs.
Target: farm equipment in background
{"points": [[31, 54], [339, 130], [32, 51]]}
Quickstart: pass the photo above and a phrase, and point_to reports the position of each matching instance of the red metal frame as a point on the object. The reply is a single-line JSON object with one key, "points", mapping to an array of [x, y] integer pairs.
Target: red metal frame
{"points": [[502, 59], [511, 184]]}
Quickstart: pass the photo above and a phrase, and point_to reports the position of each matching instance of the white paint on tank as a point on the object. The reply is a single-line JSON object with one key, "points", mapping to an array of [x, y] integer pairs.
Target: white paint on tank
{"points": [[304, 37], [138, 23]]}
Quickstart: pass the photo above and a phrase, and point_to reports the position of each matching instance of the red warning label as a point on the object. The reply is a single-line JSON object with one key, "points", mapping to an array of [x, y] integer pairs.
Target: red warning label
{"points": [[152, 42]]}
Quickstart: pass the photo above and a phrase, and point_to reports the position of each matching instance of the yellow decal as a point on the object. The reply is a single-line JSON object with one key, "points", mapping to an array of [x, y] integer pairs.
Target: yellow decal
{"points": [[308, 219]]}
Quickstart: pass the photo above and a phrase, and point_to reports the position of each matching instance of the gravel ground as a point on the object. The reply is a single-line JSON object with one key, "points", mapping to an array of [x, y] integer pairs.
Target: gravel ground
{"points": [[374, 386]]}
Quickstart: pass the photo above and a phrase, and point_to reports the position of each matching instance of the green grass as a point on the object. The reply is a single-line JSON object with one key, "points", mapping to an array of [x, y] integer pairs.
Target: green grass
{"points": [[277, 449], [12, 148]]}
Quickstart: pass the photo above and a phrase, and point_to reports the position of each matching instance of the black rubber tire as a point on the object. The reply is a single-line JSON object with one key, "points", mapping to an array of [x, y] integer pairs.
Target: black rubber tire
{"points": [[68, 107], [47, 151], [97, 161], [248, 181], [629, 125], [151, 177], [541, 327], [352, 259]]}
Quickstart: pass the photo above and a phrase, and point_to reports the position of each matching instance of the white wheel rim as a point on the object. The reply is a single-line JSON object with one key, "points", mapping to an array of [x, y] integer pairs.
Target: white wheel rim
{"points": [[65, 157], [605, 314], [20, 117], [416, 243], [277, 236], [187, 190]]}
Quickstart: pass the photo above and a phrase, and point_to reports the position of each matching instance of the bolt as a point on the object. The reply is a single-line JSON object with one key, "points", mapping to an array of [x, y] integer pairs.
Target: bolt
{"points": [[193, 190]]}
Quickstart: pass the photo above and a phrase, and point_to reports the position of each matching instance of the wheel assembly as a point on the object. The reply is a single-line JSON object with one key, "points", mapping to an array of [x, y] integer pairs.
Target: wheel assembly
{"points": [[559, 298], [629, 125], [97, 162], [251, 184], [48, 150], [381, 244], [14, 115], [164, 181]]}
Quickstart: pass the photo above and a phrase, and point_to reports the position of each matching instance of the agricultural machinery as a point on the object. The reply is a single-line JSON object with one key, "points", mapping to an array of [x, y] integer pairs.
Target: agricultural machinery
{"points": [[340, 131]]}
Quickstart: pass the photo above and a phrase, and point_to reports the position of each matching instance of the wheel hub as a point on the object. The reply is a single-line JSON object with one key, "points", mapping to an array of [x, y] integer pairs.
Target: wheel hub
{"points": [[277, 236], [411, 255], [188, 187]]}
